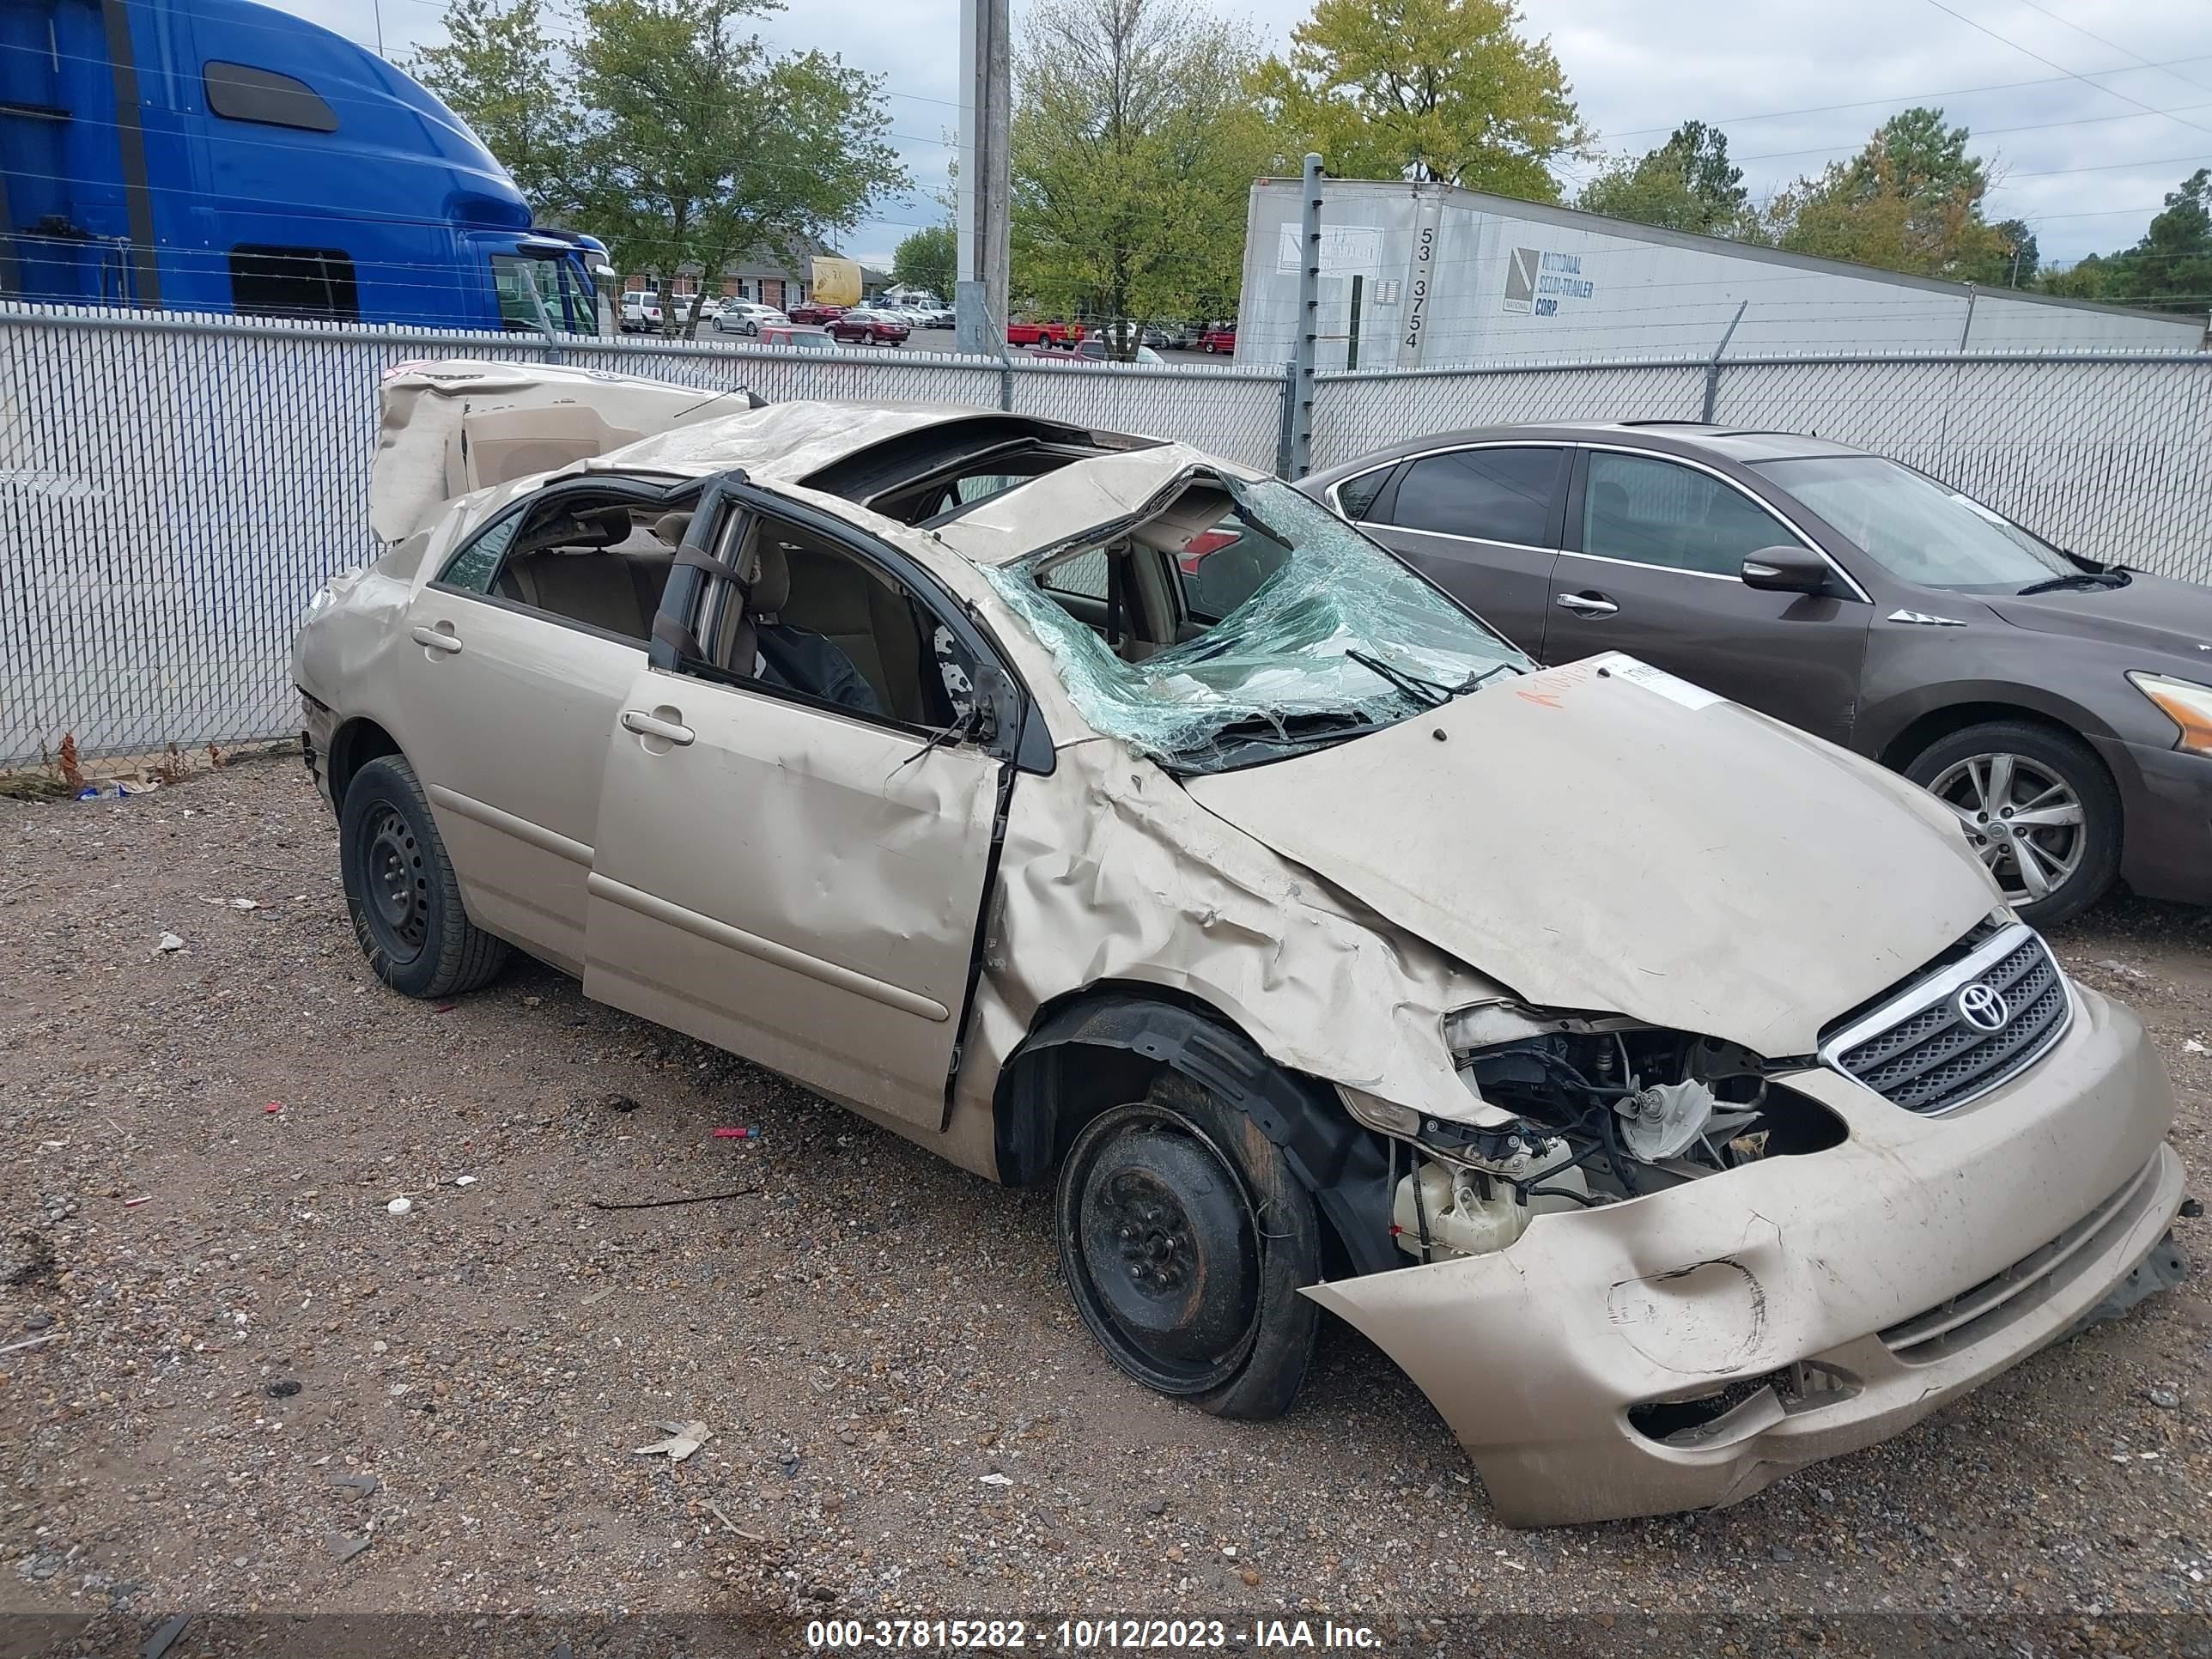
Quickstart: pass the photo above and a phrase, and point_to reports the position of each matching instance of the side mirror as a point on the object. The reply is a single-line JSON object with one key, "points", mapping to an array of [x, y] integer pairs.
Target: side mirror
{"points": [[1786, 570]]}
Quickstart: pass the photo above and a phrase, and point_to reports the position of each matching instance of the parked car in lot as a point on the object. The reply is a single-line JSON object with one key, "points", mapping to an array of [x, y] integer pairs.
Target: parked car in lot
{"points": [[866, 327], [796, 337], [1219, 337], [1024, 332], [2061, 707], [1670, 1093], [807, 312], [747, 317], [1091, 350], [640, 311]]}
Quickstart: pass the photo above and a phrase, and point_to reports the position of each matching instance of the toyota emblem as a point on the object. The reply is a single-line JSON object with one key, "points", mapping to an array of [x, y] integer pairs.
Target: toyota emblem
{"points": [[1983, 1008]]}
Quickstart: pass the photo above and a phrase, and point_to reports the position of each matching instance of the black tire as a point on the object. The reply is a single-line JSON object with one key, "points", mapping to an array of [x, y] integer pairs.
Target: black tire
{"points": [[1185, 1239], [401, 890], [2086, 855]]}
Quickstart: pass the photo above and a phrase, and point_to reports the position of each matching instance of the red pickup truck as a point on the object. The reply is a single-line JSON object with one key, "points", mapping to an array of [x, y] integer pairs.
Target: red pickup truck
{"points": [[1049, 334]]}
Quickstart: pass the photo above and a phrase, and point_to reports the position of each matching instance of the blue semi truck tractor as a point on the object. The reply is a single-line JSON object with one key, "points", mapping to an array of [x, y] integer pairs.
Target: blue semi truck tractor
{"points": [[218, 156]]}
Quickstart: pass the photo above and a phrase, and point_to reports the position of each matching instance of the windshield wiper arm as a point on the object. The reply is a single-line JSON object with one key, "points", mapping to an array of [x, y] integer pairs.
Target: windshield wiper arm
{"points": [[1482, 677], [1427, 693], [2079, 579]]}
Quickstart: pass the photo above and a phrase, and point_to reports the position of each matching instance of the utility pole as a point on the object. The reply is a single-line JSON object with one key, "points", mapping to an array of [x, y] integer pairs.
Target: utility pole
{"points": [[986, 88], [1309, 328]]}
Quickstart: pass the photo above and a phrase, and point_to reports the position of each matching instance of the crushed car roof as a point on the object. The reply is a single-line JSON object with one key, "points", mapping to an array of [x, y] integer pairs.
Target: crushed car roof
{"points": [[451, 429]]}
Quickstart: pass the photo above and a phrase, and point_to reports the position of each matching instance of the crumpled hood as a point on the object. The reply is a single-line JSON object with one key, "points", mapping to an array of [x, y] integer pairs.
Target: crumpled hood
{"points": [[2151, 613], [1605, 836]]}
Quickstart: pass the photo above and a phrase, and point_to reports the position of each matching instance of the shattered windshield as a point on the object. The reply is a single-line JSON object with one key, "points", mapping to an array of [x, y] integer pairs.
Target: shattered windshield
{"points": [[1234, 623]]}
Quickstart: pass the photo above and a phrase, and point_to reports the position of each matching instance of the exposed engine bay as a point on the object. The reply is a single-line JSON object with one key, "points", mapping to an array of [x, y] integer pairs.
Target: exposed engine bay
{"points": [[1607, 1110]]}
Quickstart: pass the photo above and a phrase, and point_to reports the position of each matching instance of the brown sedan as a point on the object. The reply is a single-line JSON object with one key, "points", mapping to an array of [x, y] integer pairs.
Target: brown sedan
{"points": [[2062, 707]]}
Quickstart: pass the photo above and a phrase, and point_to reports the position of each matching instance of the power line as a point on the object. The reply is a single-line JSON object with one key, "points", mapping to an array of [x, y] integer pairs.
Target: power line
{"points": [[2070, 74], [2106, 167], [1979, 132], [2186, 80], [1912, 98]]}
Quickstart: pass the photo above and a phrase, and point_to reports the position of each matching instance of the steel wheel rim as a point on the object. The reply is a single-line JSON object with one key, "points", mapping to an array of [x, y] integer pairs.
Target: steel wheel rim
{"points": [[395, 885], [1155, 1260], [2021, 817]]}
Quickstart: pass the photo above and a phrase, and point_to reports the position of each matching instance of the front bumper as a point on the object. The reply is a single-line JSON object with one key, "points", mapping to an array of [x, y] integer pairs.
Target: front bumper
{"points": [[318, 725], [1897, 1271], [2166, 804]]}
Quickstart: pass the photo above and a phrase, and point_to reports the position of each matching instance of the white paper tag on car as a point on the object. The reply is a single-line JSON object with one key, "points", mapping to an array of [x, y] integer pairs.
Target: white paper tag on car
{"points": [[1657, 680]]}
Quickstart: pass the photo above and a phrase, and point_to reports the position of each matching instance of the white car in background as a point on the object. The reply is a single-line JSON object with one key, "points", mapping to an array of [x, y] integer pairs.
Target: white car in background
{"points": [[748, 317]]}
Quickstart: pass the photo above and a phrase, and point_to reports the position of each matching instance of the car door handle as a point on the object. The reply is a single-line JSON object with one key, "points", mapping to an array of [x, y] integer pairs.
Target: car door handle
{"points": [[1583, 605], [652, 725], [436, 639]]}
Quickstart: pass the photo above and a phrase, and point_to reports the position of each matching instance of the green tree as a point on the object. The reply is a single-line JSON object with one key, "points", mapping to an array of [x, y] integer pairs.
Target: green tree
{"points": [[928, 259], [2171, 268], [1926, 161], [1133, 147], [1686, 183], [2013, 261], [1910, 201], [669, 132], [1442, 89], [2168, 269], [500, 72], [2089, 278]]}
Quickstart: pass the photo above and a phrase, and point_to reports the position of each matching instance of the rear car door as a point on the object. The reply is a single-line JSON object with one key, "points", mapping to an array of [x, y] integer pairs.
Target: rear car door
{"points": [[516, 661], [787, 866], [1653, 565], [1483, 523]]}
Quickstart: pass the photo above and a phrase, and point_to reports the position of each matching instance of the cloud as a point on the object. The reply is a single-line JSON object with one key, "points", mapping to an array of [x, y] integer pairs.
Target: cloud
{"points": [[2080, 160]]}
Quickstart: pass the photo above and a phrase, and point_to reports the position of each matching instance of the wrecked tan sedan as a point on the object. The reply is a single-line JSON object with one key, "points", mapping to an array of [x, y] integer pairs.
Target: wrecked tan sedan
{"points": [[1670, 1093]]}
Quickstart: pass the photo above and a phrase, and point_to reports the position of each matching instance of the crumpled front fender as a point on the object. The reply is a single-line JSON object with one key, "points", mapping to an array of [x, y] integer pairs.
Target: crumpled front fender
{"points": [[1534, 1354]]}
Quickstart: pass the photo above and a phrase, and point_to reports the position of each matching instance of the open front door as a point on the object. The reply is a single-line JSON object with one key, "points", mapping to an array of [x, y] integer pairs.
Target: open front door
{"points": [[793, 877]]}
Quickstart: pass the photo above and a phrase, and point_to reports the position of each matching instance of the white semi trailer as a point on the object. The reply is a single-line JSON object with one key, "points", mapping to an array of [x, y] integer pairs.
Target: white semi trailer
{"points": [[1424, 274]]}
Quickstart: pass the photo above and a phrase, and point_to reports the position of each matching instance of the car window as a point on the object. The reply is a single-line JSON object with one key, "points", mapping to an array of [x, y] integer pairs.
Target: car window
{"points": [[1356, 495], [472, 568], [1917, 528], [1221, 567], [1654, 511], [813, 618], [1082, 576], [1338, 639], [1495, 495], [581, 556]]}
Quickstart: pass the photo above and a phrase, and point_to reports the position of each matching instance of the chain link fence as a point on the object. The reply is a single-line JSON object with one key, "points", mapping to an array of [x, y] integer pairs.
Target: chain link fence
{"points": [[1356, 412], [2109, 455], [173, 489]]}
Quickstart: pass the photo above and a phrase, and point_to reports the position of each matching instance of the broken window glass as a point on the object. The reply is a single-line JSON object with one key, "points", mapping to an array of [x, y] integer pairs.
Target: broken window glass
{"points": [[1336, 638]]}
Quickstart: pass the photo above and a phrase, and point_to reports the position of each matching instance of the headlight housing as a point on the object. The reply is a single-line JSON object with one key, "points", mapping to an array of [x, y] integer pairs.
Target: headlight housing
{"points": [[2184, 703]]}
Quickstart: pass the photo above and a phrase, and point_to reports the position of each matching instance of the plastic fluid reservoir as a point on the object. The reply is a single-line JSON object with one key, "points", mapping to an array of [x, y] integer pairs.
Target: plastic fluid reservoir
{"points": [[1461, 1220]]}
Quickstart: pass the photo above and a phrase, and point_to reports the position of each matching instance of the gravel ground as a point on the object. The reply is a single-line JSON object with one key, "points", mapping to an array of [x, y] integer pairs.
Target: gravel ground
{"points": [[263, 1390]]}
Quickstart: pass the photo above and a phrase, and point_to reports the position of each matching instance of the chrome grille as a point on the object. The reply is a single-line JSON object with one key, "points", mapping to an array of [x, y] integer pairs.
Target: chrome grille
{"points": [[1920, 1050]]}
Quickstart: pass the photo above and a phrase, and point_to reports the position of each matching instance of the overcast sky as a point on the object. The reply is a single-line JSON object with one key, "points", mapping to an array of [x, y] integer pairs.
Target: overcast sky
{"points": [[2059, 93]]}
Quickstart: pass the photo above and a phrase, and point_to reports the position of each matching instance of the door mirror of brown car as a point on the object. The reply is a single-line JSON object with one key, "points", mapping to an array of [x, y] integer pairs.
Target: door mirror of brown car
{"points": [[1785, 570]]}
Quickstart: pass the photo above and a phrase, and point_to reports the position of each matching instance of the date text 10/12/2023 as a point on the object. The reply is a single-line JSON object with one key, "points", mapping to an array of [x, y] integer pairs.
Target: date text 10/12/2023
{"points": [[1087, 1635]]}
